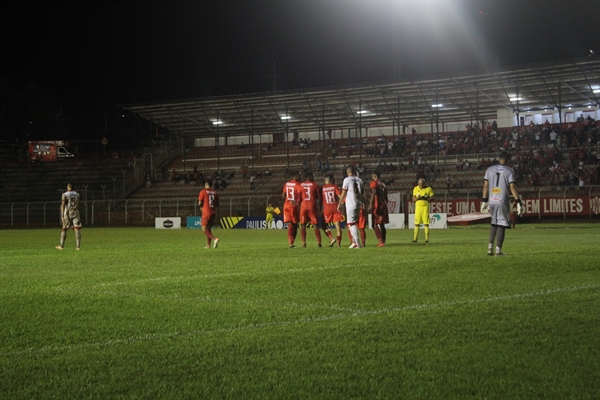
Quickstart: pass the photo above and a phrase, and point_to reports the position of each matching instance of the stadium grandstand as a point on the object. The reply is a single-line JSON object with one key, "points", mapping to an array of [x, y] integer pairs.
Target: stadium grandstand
{"points": [[445, 128]]}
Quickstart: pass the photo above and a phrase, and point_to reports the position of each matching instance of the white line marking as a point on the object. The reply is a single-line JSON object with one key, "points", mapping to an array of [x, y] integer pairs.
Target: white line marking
{"points": [[215, 300], [293, 322], [224, 275]]}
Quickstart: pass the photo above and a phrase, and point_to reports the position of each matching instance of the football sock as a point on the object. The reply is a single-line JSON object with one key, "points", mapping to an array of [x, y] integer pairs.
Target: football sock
{"points": [[209, 235], [377, 232], [328, 233], [383, 233], [492, 234], [354, 232], [363, 237], [416, 233], [499, 238], [426, 233], [303, 233], [295, 231], [350, 235], [77, 237], [290, 233], [339, 239], [63, 237], [318, 234]]}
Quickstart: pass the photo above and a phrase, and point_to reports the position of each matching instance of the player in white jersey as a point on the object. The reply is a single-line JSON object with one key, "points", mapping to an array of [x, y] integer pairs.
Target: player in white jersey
{"points": [[69, 212], [499, 183], [352, 194]]}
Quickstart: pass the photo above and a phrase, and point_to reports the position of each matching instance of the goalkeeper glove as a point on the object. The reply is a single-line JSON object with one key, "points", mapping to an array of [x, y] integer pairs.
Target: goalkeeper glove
{"points": [[485, 207], [520, 210]]}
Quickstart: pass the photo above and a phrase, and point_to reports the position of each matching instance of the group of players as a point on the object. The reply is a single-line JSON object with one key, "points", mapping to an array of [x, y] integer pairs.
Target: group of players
{"points": [[305, 201]]}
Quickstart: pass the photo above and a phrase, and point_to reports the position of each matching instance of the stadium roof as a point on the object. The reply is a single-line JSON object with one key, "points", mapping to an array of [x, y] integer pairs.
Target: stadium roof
{"points": [[462, 97]]}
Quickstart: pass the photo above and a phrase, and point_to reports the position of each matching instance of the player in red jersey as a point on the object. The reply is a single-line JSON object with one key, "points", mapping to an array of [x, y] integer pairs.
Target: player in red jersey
{"points": [[330, 194], [309, 209], [292, 197], [379, 208], [208, 199]]}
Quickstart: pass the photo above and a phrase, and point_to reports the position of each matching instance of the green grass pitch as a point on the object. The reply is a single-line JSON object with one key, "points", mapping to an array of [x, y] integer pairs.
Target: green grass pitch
{"points": [[145, 313]]}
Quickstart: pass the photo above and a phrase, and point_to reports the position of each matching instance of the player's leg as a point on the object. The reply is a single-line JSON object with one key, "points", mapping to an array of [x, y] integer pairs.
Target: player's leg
{"points": [[63, 237], [303, 220], [493, 230], [338, 233], [418, 221], [499, 239], [77, 238], [361, 227], [375, 225], [315, 223], [383, 231], [288, 219]]}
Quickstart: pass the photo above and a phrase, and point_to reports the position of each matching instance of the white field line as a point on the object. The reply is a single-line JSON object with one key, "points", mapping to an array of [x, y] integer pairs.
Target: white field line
{"points": [[223, 275], [208, 299], [162, 336]]}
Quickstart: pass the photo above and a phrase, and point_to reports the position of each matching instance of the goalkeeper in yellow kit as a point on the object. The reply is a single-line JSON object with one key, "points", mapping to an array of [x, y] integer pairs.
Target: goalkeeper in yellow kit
{"points": [[269, 219], [422, 195]]}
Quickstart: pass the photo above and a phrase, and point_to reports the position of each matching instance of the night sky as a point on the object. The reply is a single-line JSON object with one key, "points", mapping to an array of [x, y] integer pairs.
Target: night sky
{"points": [[95, 54]]}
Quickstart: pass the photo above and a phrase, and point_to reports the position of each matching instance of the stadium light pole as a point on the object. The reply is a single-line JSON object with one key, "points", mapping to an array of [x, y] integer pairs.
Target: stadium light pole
{"points": [[218, 143], [287, 141]]}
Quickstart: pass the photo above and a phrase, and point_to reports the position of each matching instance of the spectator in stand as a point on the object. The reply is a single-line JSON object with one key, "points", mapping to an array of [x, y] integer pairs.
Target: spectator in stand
{"points": [[245, 173], [148, 181], [252, 178]]}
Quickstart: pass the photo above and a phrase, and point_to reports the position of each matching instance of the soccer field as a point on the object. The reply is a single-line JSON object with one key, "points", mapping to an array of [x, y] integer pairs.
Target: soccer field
{"points": [[145, 313]]}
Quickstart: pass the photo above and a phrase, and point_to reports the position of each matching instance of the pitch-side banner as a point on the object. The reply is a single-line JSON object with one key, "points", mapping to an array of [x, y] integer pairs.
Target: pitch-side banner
{"points": [[167, 223], [394, 203], [396, 221], [548, 206], [436, 221], [258, 223]]}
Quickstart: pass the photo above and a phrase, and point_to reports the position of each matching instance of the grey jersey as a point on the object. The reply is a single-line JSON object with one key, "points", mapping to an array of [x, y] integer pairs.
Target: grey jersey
{"points": [[71, 201], [499, 177]]}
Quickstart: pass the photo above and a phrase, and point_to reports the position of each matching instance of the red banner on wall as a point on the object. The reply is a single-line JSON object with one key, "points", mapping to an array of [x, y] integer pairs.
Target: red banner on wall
{"points": [[545, 206]]}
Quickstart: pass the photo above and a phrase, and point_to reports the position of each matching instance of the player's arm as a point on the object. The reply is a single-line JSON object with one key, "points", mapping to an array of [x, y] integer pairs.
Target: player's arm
{"points": [[342, 198], [372, 199], [63, 204], [515, 193], [485, 208]]}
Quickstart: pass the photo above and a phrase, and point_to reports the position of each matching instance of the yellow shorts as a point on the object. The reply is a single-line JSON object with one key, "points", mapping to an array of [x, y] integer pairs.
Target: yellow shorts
{"points": [[422, 215]]}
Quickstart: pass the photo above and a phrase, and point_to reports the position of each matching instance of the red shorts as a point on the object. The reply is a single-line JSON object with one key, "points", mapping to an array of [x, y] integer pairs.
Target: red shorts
{"points": [[309, 214], [381, 216], [208, 220], [332, 215], [291, 213]]}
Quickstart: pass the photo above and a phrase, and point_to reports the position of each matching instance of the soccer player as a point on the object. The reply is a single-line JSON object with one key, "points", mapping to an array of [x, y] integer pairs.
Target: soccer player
{"points": [[499, 183], [330, 193], [352, 195], [309, 208], [270, 210], [422, 194], [208, 199], [379, 208], [69, 212], [292, 196]]}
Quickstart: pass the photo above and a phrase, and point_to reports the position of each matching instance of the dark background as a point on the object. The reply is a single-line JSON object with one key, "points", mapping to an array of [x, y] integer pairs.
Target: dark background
{"points": [[78, 59]]}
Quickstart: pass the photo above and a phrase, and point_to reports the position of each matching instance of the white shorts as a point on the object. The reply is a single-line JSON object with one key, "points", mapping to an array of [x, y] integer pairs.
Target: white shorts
{"points": [[500, 214]]}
